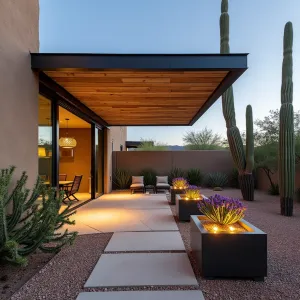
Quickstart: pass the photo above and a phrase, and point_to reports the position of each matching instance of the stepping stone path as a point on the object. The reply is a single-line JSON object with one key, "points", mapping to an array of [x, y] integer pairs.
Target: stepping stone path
{"points": [[155, 257]]}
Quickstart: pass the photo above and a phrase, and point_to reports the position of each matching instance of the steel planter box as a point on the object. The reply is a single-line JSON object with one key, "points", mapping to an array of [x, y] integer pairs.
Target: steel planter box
{"points": [[229, 255], [175, 192], [186, 208]]}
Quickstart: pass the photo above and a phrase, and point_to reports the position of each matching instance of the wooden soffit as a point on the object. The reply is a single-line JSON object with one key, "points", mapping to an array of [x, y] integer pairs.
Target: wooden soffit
{"points": [[142, 90]]}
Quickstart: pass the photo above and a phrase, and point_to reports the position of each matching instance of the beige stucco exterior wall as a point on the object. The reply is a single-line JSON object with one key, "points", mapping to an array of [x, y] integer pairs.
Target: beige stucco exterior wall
{"points": [[19, 23], [114, 137]]}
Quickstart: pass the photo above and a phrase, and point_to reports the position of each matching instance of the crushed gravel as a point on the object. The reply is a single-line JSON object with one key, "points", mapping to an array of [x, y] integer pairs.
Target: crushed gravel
{"points": [[64, 276], [283, 281]]}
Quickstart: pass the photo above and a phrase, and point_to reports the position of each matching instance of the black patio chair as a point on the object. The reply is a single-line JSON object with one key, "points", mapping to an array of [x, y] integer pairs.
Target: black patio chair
{"points": [[71, 190]]}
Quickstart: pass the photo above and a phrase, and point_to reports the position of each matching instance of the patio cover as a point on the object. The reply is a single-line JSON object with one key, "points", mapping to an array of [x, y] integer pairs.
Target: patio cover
{"points": [[141, 89]]}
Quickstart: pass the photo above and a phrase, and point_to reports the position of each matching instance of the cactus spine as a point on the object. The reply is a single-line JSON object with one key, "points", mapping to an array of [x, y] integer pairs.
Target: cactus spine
{"points": [[244, 162], [286, 130]]}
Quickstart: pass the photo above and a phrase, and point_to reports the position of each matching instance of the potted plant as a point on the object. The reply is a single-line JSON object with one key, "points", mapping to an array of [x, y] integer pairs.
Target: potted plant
{"points": [[187, 204], [179, 185], [226, 245]]}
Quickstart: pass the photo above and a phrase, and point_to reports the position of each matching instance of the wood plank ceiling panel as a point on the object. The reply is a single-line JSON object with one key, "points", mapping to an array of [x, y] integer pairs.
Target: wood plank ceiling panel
{"points": [[141, 97]]}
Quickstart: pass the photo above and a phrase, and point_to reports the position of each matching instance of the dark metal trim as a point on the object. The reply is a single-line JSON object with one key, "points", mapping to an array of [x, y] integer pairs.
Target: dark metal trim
{"points": [[55, 145], [54, 61], [93, 162], [70, 102], [229, 79]]}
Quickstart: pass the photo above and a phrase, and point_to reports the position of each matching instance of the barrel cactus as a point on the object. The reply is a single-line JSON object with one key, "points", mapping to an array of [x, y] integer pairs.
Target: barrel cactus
{"points": [[243, 161], [286, 130]]}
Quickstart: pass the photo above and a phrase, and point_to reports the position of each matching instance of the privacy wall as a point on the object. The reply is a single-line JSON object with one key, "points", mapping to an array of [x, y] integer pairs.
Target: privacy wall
{"points": [[163, 161]]}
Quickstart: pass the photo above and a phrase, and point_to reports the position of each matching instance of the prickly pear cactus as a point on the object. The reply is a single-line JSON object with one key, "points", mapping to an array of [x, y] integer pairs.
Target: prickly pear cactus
{"points": [[286, 130]]}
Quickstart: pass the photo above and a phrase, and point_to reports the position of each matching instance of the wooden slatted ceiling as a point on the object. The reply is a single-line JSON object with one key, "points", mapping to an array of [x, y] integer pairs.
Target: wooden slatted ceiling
{"points": [[141, 97]]}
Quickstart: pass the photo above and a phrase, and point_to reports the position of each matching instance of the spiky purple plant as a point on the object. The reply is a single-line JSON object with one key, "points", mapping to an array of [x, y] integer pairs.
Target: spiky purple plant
{"points": [[222, 210], [193, 192], [180, 183]]}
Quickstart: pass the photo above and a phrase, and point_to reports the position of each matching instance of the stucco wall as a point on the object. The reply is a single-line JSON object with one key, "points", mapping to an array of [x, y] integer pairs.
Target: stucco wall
{"points": [[163, 161], [114, 137], [19, 21], [263, 182]]}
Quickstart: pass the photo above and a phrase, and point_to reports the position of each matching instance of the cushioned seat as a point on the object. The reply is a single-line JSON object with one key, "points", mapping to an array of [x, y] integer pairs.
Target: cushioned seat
{"points": [[162, 183], [137, 184]]}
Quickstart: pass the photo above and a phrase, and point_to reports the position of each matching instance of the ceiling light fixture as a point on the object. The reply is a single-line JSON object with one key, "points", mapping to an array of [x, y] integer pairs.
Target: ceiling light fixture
{"points": [[67, 142]]}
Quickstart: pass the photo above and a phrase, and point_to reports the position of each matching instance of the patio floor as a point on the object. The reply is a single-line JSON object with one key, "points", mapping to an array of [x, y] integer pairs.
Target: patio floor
{"points": [[125, 212], [145, 250]]}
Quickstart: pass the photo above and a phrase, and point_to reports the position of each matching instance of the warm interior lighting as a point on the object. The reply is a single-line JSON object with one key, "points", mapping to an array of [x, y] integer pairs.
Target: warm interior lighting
{"points": [[67, 142], [42, 151]]}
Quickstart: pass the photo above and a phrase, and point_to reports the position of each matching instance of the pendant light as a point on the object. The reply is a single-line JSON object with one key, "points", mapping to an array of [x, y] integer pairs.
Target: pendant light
{"points": [[67, 142]]}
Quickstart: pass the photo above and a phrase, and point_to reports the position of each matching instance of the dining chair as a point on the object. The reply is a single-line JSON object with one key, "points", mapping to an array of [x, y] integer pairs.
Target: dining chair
{"points": [[71, 190], [62, 177]]}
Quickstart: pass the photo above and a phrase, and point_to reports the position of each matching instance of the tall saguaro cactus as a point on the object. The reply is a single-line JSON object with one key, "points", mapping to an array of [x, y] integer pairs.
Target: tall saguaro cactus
{"points": [[286, 130], [243, 161]]}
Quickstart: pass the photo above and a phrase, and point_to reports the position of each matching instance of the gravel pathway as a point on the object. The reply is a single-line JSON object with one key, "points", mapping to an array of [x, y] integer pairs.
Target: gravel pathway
{"points": [[283, 281], [64, 276]]}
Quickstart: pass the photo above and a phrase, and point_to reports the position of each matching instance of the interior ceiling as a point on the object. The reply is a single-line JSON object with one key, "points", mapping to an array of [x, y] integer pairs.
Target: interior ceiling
{"points": [[140, 97], [45, 114]]}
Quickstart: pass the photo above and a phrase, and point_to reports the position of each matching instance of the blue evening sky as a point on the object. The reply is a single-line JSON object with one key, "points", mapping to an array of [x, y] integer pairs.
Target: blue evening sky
{"points": [[182, 26]]}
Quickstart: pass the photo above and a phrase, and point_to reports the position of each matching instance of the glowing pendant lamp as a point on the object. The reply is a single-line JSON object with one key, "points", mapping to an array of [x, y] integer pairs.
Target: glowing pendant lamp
{"points": [[67, 142]]}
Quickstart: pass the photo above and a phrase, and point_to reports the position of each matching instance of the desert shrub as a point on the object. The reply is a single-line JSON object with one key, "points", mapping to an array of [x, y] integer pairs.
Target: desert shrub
{"points": [[149, 176], [273, 189], [180, 183], [194, 177], [175, 173], [29, 226], [193, 192], [216, 179], [222, 210], [234, 178], [122, 178]]}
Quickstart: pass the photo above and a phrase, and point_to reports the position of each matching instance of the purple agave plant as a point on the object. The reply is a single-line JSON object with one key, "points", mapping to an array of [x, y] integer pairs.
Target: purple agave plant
{"points": [[180, 183], [222, 210], [193, 192]]}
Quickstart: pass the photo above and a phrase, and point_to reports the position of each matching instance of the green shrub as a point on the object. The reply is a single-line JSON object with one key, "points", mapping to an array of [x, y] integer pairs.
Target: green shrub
{"points": [[234, 178], [175, 173], [194, 177], [149, 176], [29, 226], [122, 178], [273, 189], [216, 179]]}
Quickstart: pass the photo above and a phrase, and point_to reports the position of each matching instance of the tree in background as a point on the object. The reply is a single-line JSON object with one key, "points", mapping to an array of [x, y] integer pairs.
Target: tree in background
{"points": [[267, 130], [204, 139], [151, 145]]}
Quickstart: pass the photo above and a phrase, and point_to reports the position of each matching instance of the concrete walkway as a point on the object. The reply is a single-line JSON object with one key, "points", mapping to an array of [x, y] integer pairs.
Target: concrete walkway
{"points": [[146, 249]]}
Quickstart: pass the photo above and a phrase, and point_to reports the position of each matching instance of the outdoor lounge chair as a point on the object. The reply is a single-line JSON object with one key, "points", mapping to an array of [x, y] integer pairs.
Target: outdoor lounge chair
{"points": [[137, 184], [162, 183], [72, 189]]}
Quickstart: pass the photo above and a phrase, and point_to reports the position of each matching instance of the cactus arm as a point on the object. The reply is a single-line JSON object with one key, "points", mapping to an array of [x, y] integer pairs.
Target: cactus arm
{"points": [[233, 134], [249, 140], [286, 130]]}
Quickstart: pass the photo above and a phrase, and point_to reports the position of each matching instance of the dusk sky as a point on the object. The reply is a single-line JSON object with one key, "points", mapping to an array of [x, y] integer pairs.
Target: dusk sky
{"points": [[182, 26]]}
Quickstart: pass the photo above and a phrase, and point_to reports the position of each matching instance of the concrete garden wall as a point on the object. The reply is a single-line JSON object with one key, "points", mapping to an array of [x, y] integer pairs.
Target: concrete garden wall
{"points": [[163, 161]]}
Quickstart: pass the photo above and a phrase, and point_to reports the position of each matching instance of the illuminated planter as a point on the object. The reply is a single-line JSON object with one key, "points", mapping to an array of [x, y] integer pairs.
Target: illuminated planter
{"points": [[175, 192], [229, 254], [186, 208]]}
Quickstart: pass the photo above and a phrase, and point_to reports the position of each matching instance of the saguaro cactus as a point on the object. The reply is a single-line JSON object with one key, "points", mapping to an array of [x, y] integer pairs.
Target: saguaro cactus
{"points": [[286, 130], [244, 162]]}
